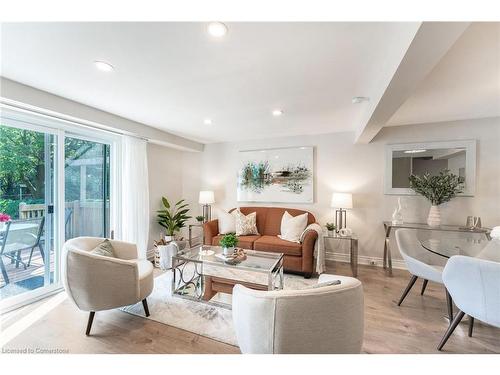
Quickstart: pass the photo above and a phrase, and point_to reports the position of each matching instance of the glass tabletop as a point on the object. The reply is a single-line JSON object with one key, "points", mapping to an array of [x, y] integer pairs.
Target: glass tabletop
{"points": [[260, 261], [448, 247]]}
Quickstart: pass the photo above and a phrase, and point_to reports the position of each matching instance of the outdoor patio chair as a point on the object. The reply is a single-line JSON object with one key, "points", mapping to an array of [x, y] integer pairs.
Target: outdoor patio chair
{"points": [[18, 236]]}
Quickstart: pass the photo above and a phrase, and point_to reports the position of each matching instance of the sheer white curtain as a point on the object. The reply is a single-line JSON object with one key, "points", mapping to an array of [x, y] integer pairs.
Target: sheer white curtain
{"points": [[135, 193]]}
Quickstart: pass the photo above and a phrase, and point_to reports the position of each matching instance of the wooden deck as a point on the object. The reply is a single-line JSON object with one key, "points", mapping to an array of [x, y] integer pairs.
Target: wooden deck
{"points": [[21, 279]]}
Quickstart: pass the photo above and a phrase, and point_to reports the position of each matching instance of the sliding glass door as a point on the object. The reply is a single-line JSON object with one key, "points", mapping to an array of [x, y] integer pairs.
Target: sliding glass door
{"points": [[55, 184], [86, 185], [28, 163]]}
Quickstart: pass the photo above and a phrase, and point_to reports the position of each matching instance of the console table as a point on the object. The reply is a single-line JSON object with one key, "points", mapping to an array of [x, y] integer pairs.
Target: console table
{"points": [[388, 225]]}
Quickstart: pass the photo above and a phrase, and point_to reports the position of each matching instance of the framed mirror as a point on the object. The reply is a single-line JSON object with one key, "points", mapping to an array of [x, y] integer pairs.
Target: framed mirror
{"points": [[405, 159]]}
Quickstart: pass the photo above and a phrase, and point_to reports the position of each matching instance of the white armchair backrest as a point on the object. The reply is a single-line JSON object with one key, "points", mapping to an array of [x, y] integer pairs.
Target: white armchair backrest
{"points": [[420, 262], [95, 282], [327, 319], [474, 285]]}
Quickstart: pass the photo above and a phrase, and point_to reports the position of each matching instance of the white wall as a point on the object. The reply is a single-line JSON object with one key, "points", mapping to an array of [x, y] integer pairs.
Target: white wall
{"points": [[165, 180], [341, 165]]}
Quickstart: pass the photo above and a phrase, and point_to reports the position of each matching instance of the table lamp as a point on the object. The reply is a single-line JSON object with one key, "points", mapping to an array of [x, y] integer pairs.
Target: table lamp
{"points": [[206, 198], [342, 202]]}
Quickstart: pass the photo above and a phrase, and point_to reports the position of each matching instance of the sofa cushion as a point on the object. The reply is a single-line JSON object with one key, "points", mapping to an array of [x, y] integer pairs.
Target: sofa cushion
{"points": [[277, 245], [246, 225], [261, 215], [273, 219], [245, 242]]}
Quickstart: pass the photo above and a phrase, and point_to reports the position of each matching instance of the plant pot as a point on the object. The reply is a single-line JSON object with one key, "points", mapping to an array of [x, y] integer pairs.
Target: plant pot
{"points": [[169, 238], [331, 233], [228, 250], [434, 218], [2, 225]]}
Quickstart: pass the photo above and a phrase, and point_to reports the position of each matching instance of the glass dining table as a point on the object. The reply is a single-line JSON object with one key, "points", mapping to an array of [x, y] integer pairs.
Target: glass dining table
{"points": [[448, 247]]}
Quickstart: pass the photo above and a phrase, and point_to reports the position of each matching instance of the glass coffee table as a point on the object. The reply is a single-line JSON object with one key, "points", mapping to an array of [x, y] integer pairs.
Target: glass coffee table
{"points": [[205, 277]]}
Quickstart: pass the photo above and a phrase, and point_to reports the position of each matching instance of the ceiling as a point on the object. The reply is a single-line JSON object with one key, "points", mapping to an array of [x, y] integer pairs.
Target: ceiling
{"points": [[174, 75], [465, 84]]}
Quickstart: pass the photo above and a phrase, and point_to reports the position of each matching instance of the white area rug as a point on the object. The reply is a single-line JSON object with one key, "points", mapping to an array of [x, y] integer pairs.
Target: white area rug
{"points": [[197, 317]]}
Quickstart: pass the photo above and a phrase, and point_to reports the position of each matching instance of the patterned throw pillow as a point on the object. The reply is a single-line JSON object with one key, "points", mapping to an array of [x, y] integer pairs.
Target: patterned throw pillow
{"points": [[246, 225], [105, 249]]}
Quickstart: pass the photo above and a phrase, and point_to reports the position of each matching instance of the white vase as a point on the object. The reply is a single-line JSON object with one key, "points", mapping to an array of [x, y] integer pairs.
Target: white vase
{"points": [[169, 238], [228, 250], [397, 215], [2, 225], [434, 218]]}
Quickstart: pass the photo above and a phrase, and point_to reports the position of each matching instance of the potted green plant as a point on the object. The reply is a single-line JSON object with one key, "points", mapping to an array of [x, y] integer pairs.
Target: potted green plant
{"points": [[438, 190], [173, 218], [200, 219], [330, 227], [228, 243]]}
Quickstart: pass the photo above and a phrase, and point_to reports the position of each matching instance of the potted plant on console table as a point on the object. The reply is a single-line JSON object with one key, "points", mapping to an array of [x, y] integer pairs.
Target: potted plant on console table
{"points": [[173, 219], [228, 243], [437, 189]]}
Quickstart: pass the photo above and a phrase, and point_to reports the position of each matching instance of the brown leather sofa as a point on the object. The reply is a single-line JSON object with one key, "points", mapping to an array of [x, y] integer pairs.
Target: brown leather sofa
{"points": [[299, 257]]}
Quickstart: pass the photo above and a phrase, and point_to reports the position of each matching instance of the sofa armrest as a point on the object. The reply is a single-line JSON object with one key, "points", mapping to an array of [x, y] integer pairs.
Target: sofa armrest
{"points": [[210, 230], [308, 243]]}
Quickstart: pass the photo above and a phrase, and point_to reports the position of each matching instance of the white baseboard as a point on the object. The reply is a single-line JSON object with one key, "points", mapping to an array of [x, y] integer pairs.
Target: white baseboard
{"points": [[366, 260]]}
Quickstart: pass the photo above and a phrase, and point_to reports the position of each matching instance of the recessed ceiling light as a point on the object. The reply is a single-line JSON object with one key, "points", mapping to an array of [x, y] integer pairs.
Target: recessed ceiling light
{"points": [[217, 29], [207, 121], [104, 66], [277, 112], [414, 151], [360, 99]]}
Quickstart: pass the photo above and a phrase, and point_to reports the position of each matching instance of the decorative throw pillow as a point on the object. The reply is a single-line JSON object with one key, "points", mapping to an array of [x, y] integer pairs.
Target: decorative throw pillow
{"points": [[246, 225], [227, 222], [105, 249], [292, 226]]}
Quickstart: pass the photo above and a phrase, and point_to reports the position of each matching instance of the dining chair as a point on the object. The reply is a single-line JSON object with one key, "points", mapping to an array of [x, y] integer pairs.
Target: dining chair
{"points": [[474, 284], [19, 236], [421, 263]]}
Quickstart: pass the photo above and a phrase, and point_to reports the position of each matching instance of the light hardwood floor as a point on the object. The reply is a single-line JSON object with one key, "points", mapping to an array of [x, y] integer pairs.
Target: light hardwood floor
{"points": [[415, 327]]}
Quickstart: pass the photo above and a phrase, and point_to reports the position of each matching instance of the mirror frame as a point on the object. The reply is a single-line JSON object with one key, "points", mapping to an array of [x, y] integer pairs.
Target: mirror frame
{"points": [[470, 164]]}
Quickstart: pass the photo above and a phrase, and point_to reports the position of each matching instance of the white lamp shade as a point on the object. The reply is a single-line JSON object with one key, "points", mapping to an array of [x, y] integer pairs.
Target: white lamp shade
{"points": [[342, 200], [206, 197]]}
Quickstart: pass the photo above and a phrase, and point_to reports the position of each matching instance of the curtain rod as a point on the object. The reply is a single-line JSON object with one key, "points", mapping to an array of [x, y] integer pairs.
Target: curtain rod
{"points": [[8, 103]]}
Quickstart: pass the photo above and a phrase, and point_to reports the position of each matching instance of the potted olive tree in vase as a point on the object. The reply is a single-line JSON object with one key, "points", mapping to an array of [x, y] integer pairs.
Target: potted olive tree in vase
{"points": [[173, 218], [228, 243], [438, 190]]}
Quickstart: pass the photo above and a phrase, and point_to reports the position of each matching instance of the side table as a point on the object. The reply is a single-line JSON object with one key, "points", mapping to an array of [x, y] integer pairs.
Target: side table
{"points": [[353, 242], [191, 238]]}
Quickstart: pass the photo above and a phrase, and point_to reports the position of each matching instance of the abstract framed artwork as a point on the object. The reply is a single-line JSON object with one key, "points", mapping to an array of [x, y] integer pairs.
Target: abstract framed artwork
{"points": [[276, 175]]}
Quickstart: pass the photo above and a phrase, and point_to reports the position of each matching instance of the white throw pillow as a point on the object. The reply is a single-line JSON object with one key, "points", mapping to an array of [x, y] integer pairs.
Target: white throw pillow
{"points": [[292, 227], [246, 225], [227, 222]]}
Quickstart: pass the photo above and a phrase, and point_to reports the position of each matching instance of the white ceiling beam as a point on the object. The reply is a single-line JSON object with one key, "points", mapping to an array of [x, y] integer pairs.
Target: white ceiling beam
{"points": [[430, 44]]}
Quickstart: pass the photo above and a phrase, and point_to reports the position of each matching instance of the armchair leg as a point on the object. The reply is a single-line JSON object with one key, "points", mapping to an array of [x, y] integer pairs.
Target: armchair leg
{"points": [[424, 285], [408, 288], [471, 325], [89, 323], [450, 329], [145, 305]]}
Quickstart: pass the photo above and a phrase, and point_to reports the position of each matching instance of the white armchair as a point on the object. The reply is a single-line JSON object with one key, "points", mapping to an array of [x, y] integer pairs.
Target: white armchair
{"points": [[474, 284], [325, 319], [96, 283]]}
